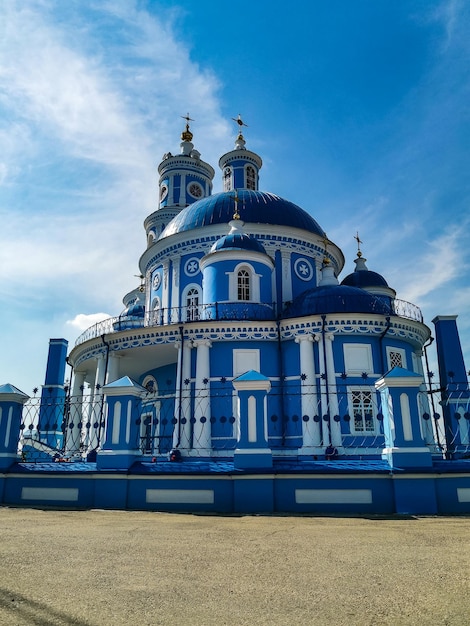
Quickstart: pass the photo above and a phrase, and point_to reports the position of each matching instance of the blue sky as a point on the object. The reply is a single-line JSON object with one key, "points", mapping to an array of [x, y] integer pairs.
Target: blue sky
{"points": [[359, 109]]}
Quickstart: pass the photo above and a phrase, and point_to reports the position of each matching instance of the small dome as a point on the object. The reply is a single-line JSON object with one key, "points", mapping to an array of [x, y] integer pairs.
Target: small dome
{"points": [[364, 279], [337, 299], [255, 207], [362, 276], [238, 241], [134, 310]]}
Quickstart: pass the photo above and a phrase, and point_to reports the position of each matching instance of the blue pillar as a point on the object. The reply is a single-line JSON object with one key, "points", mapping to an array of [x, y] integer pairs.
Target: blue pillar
{"points": [[252, 447], [51, 411], [453, 381], [405, 450], [121, 447], [404, 443], [11, 408]]}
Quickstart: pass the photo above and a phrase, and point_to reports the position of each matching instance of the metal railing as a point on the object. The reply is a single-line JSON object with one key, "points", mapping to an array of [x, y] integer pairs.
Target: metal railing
{"points": [[75, 427], [217, 311]]}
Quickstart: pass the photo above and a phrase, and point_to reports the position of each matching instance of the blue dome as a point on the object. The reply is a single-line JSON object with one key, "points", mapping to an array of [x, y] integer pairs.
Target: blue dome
{"points": [[337, 299], [364, 279], [134, 310], [255, 207], [238, 241]]}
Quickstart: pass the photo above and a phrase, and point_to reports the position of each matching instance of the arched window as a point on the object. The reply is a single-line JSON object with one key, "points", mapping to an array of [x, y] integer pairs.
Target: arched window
{"points": [[192, 305], [155, 318], [250, 177], [243, 285], [227, 179]]}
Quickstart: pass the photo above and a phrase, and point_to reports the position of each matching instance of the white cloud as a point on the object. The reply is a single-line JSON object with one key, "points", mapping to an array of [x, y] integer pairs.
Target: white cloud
{"points": [[82, 321]]}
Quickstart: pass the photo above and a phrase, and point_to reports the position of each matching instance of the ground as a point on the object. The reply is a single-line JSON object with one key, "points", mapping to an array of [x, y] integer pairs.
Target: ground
{"points": [[99, 568]]}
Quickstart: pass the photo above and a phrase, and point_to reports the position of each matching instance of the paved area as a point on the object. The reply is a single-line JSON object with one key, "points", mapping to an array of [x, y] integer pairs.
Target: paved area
{"points": [[99, 568]]}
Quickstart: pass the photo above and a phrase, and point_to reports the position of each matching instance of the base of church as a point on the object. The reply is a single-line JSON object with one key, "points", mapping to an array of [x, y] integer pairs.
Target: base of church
{"points": [[323, 487]]}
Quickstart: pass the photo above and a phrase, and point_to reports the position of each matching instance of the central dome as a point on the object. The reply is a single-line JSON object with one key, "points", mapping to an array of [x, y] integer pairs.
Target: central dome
{"points": [[255, 207]]}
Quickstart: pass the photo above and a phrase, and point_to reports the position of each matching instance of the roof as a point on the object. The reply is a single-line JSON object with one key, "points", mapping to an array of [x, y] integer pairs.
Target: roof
{"points": [[337, 299], [255, 207]]}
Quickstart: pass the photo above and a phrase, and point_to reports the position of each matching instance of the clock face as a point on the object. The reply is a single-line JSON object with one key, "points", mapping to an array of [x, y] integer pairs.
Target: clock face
{"points": [[195, 190]]}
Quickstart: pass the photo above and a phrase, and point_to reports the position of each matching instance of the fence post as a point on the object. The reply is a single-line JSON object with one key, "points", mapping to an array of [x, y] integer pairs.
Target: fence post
{"points": [[405, 450], [11, 408], [121, 447]]}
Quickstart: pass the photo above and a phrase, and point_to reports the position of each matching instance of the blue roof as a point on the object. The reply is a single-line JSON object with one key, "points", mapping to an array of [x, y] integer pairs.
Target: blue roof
{"points": [[238, 241], [364, 278], [254, 207], [337, 299]]}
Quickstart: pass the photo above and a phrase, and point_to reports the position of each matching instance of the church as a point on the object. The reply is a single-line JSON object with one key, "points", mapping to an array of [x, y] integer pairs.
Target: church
{"points": [[251, 370]]}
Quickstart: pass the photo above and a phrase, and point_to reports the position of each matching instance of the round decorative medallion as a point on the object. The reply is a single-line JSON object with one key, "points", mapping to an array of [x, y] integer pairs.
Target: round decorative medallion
{"points": [[191, 267], [157, 279], [195, 190], [163, 192], [303, 269]]}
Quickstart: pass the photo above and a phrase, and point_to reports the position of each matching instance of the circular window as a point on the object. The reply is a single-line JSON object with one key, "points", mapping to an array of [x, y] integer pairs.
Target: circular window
{"points": [[163, 192], [195, 190]]}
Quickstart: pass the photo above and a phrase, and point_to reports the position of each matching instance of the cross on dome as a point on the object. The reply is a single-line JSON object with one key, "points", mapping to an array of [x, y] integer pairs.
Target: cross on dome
{"points": [[187, 135]]}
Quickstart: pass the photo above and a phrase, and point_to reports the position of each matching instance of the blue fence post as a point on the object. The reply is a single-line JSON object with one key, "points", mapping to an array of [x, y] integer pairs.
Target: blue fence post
{"points": [[405, 449], [121, 447], [11, 408]]}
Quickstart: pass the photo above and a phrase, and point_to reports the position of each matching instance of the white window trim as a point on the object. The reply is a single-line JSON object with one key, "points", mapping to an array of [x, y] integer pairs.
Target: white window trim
{"points": [[233, 283], [372, 391], [400, 351], [357, 371], [184, 297]]}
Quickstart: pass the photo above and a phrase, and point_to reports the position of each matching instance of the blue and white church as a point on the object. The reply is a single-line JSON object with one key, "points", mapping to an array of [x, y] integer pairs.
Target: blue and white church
{"points": [[245, 373]]}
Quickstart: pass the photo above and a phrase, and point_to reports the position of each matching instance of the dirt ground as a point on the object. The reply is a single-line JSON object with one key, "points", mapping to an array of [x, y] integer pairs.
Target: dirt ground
{"points": [[94, 568]]}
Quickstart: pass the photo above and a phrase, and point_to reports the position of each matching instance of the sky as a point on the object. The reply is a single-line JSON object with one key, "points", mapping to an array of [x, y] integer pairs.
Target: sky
{"points": [[358, 108]]}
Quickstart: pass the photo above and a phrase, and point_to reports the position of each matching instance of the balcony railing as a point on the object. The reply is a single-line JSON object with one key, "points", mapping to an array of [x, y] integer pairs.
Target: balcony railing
{"points": [[216, 311]]}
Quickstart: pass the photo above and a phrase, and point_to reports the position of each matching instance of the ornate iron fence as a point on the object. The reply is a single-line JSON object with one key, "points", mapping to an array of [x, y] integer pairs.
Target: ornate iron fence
{"points": [[74, 428]]}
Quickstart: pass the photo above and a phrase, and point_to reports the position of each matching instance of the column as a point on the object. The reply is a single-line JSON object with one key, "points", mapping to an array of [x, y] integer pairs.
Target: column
{"points": [[202, 409], [335, 427], [11, 408], [182, 432], [311, 431], [73, 436], [96, 405], [323, 394], [286, 277]]}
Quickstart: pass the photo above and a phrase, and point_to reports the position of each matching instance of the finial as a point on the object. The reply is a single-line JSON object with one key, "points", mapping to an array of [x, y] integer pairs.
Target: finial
{"points": [[236, 215], [187, 135], [240, 123], [326, 260], [359, 253]]}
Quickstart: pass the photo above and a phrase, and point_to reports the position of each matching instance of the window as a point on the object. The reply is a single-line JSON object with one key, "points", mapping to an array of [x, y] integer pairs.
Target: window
{"points": [[227, 179], [362, 411], [243, 285], [192, 305], [250, 177], [195, 190], [357, 359], [155, 317], [396, 358]]}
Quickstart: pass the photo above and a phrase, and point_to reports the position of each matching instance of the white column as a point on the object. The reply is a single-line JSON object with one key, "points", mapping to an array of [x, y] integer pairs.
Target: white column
{"points": [[74, 435], [311, 432], [286, 277], [175, 292], [323, 392], [182, 432], [335, 427], [113, 368], [94, 413], [166, 292], [202, 408]]}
